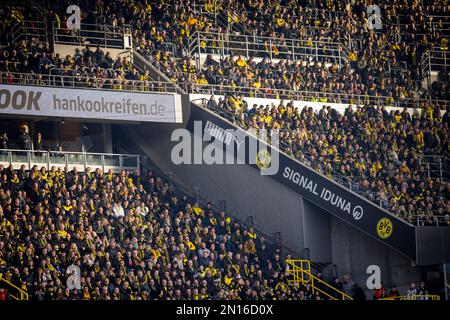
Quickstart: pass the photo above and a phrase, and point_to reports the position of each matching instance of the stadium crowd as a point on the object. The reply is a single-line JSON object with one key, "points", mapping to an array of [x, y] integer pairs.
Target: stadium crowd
{"points": [[387, 58], [380, 62], [392, 49], [376, 152], [132, 238], [34, 62], [299, 76]]}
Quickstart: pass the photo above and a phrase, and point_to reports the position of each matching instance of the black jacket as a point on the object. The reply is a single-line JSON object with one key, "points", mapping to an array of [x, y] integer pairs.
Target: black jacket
{"points": [[358, 293]]}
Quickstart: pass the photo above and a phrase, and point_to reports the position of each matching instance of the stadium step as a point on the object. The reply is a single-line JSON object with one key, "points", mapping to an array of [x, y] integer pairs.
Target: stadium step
{"points": [[14, 291], [300, 272]]}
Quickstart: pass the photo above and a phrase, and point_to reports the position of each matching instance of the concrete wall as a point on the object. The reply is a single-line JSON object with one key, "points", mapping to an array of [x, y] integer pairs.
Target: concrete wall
{"points": [[353, 252], [317, 232], [246, 192]]}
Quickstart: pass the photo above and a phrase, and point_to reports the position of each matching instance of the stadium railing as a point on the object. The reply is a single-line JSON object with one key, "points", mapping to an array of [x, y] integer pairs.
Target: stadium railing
{"points": [[323, 97], [107, 36], [14, 291], [61, 159], [434, 59], [29, 30], [271, 47], [83, 82], [439, 24], [435, 166], [300, 272]]}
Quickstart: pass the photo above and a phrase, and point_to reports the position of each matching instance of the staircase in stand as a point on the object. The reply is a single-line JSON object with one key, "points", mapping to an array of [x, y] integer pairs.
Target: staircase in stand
{"points": [[300, 274], [14, 291]]}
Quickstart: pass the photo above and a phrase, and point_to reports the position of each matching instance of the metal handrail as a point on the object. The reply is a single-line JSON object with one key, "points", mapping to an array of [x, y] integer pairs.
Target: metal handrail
{"points": [[146, 63], [325, 97], [79, 82], [106, 36], [73, 152], [262, 39], [42, 157], [23, 294], [303, 275], [28, 30], [437, 58], [434, 59], [272, 47], [440, 163]]}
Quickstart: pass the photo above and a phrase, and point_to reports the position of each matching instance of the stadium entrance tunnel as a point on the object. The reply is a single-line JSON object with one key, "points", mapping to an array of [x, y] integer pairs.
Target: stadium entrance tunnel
{"points": [[311, 212]]}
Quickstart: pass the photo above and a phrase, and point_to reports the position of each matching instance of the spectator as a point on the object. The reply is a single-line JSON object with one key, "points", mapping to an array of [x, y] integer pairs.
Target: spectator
{"points": [[379, 292], [348, 285], [38, 145], [118, 210], [4, 141], [24, 140], [3, 294], [393, 293], [422, 291], [59, 151], [412, 291], [357, 292]]}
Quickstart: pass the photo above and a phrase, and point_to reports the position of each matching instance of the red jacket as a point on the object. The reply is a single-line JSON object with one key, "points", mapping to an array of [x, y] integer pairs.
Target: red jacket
{"points": [[378, 293], [3, 296]]}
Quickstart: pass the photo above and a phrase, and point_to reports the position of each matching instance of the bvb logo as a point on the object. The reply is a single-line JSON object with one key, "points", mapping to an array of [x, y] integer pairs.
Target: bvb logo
{"points": [[263, 159], [384, 228]]}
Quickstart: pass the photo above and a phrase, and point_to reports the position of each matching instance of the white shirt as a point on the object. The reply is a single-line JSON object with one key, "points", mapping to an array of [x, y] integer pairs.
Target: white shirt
{"points": [[118, 211]]}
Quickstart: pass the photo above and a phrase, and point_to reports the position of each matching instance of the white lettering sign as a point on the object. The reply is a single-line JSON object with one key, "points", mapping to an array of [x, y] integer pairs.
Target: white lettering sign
{"points": [[74, 20], [334, 199], [74, 279], [374, 280], [90, 104]]}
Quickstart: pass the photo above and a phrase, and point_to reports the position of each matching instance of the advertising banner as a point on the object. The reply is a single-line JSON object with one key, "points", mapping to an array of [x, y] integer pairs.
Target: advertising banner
{"points": [[90, 104], [323, 192]]}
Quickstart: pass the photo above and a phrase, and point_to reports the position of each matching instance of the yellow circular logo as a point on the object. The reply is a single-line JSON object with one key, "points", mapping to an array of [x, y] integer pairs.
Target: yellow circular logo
{"points": [[384, 228], [263, 159]]}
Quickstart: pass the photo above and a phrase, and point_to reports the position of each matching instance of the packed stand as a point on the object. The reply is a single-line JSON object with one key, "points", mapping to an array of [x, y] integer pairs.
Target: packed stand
{"points": [[375, 151], [391, 50], [162, 32], [37, 64], [386, 59], [132, 238], [277, 79]]}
